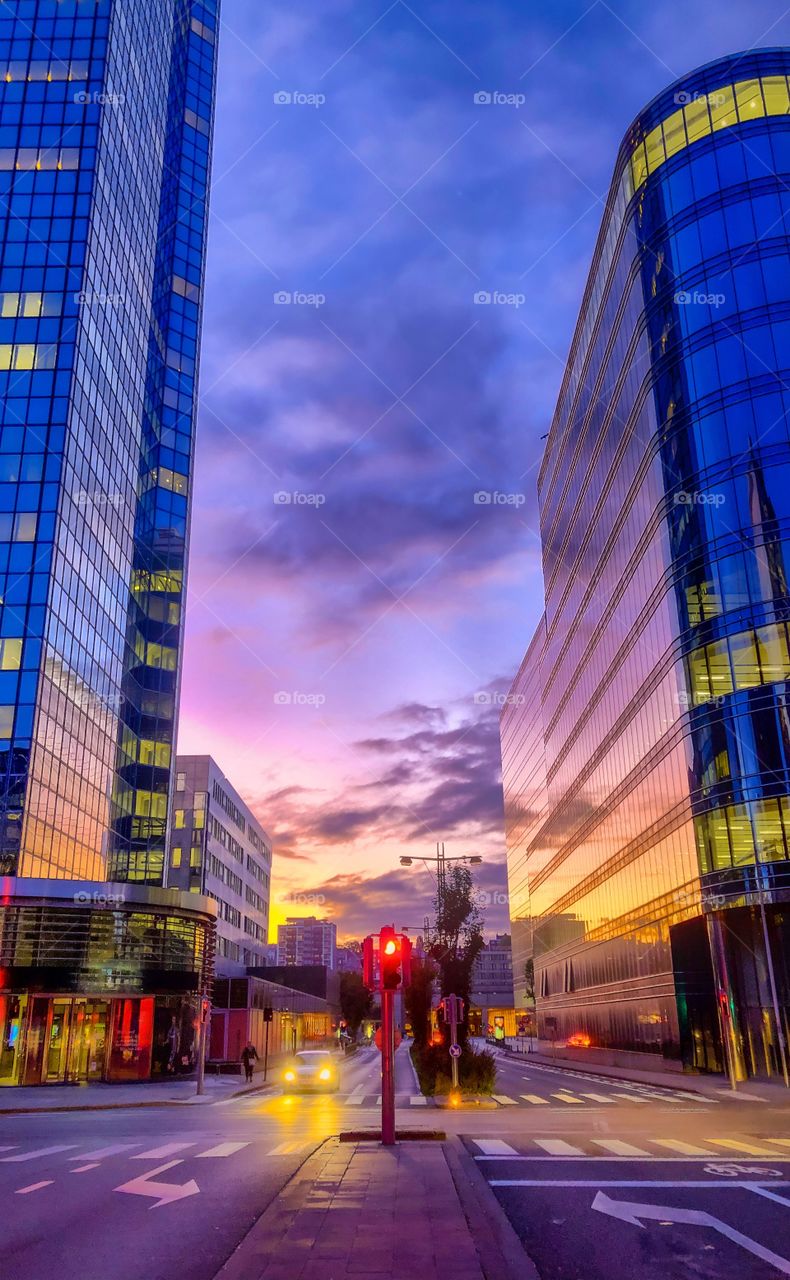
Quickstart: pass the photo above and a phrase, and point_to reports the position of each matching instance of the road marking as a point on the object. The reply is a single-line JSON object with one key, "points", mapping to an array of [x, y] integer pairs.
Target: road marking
{"points": [[504, 1100], [533, 1098], [287, 1148], [564, 1097], [634, 1213], [494, 1147], [696, 1097], [163, 1192], [158, 1153], [750, 1148], [684, 1148], [418, 1100], [781, 1142], [355, 1098], [769, 1195], [740, 1094], [13, 1147], [712, 1184], [34, 1186], [83, 1168], [35, 1155], [619, 1148], [599, 1097], [224, 1149], [116, 1149], [557, 1147], [631, 1097]]}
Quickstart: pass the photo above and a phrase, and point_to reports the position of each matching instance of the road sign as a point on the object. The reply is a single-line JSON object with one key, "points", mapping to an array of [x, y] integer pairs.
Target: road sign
{"points": [[455, 1050]]}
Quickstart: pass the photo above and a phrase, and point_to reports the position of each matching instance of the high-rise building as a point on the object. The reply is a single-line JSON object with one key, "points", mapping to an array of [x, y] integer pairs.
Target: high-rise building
{"points": [[218, 848], [106, 115], [306, 940], [646, 741]]}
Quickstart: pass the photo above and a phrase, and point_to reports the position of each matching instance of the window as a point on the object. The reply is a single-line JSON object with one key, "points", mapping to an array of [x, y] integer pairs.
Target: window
{"points": [[10, 655], [179, 819], [181, 781], [175, 858], [6, 721], [195, 856]]}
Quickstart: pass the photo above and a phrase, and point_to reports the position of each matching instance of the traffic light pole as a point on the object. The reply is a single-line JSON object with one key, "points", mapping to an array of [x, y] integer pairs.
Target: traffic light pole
{"points": [[388, 1068]]}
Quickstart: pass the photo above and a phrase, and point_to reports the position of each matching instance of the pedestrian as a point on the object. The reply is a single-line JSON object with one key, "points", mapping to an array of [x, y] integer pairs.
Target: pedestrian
{"points": [[249, 1054]]}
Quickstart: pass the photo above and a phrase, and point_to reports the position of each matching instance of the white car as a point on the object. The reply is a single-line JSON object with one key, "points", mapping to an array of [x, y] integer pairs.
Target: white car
{"points": [[311, 1069]]}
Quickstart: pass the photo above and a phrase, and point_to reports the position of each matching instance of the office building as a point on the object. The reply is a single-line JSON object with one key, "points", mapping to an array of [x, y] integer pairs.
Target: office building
{"points": [[306, 940], [106, 111], [218, 848], [646, 741]]}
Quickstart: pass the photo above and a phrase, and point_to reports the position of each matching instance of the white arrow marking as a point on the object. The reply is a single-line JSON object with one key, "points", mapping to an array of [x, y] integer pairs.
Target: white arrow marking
{"points": [[164, 1192], [627, 1211]]}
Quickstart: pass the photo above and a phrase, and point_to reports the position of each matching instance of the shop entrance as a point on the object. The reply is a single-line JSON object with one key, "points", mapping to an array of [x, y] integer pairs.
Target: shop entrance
{"points": [[66, 1040]]}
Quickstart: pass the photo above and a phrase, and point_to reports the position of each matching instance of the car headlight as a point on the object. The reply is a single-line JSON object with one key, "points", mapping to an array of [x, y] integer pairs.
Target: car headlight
{"points": [[289, 1075], [325, 1074]]}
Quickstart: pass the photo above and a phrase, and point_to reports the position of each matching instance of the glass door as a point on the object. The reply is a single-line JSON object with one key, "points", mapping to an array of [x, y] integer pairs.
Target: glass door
{"points": [[57, 1041], [87, 1049]]}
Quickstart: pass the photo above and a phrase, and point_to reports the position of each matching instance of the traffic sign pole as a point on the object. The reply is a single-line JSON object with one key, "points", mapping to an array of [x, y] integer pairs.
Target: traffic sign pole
{"points": [[388, 1068]]}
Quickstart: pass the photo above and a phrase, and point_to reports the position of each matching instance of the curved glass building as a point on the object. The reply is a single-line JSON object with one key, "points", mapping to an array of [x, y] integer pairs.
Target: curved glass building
{"points": [[648, 802]]}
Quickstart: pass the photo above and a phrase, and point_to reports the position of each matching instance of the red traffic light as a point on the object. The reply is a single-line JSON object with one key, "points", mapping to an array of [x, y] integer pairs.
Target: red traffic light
{"points": [[395, 956]]}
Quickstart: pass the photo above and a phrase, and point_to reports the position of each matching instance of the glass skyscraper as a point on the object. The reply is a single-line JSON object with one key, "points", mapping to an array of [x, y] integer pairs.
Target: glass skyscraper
{"points": [[646, 743], [106, 118]]}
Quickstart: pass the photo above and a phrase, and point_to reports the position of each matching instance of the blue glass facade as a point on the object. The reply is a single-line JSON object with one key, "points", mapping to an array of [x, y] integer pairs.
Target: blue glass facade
{"points": [[649, 808], [106, 116]]}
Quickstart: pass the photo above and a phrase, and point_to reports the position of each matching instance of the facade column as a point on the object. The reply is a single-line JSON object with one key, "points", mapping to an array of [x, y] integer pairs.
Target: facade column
{"points": [[725, 1001]]}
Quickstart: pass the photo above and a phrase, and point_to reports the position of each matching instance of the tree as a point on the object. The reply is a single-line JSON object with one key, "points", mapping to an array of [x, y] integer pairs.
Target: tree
{"points": [[459, 936], [418, 998], [529, 979], [355, 1001]]}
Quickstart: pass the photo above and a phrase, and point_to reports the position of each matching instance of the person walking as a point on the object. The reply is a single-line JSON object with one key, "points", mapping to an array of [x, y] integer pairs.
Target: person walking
{"points": [[249, 1054]]}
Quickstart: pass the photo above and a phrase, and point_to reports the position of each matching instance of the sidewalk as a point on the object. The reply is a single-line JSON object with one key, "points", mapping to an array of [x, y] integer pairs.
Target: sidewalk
{"points": [[710, 1086], [107, 1097], [359, 1210]]}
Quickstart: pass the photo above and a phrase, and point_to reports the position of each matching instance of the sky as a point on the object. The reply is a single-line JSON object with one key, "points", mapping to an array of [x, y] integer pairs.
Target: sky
{"points": [[404, 205]]}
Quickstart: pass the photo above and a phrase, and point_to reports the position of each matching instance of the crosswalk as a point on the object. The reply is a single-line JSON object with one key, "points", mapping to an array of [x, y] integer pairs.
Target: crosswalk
{"points": [[650, 1148], [75, 1160], [358, 1098], [562, 1098]]}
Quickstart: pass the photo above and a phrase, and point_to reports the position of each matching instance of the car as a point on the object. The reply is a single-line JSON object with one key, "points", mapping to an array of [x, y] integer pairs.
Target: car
{"points": [[311, 1069]]}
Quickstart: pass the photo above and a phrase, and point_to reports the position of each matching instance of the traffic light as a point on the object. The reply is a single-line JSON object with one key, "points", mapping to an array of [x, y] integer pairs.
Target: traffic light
{"points": [[391, 953]]}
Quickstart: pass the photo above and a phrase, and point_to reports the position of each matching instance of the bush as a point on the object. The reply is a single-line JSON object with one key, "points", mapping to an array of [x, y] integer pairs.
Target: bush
{"points": [[476, 1070]]}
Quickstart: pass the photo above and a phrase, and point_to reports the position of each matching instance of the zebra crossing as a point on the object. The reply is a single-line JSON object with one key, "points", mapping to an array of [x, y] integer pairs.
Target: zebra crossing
{"points": [[358, 1098], [647, 1148], [638, 1096]]}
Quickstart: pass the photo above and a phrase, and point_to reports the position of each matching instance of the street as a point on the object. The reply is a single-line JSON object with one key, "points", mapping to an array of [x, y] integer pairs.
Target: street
{"points": [[567, 1161]]}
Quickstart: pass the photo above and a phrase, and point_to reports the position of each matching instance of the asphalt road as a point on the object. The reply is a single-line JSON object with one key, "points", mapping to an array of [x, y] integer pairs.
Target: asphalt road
{"points": [[149, 1194], [139, 1194], [604, 1180]]}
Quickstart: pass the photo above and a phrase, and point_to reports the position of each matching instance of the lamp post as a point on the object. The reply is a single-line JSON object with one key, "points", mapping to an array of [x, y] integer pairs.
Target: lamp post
{"points": [[440, 862]]}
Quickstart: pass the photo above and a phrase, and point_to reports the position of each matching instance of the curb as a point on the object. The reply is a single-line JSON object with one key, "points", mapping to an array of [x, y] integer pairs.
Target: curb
{"points": [[128, 1106], [573, 1066], [500, 1251]]}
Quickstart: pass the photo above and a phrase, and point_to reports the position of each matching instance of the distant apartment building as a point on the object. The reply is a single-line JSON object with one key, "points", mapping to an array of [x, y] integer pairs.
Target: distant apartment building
{"points": [[218, 848], [491, 998], [349, 959], [306, 940]]}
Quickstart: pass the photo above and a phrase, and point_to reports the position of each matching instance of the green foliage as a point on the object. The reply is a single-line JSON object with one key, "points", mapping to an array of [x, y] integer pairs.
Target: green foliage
{"points": [[355, 1001], [476, 1070], [459, 937], [417, 998]]}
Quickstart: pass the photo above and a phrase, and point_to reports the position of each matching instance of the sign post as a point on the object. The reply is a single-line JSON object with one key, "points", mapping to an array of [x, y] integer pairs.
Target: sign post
{"points": [[205, 1008], [268, 1015], [453, 1010]]}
